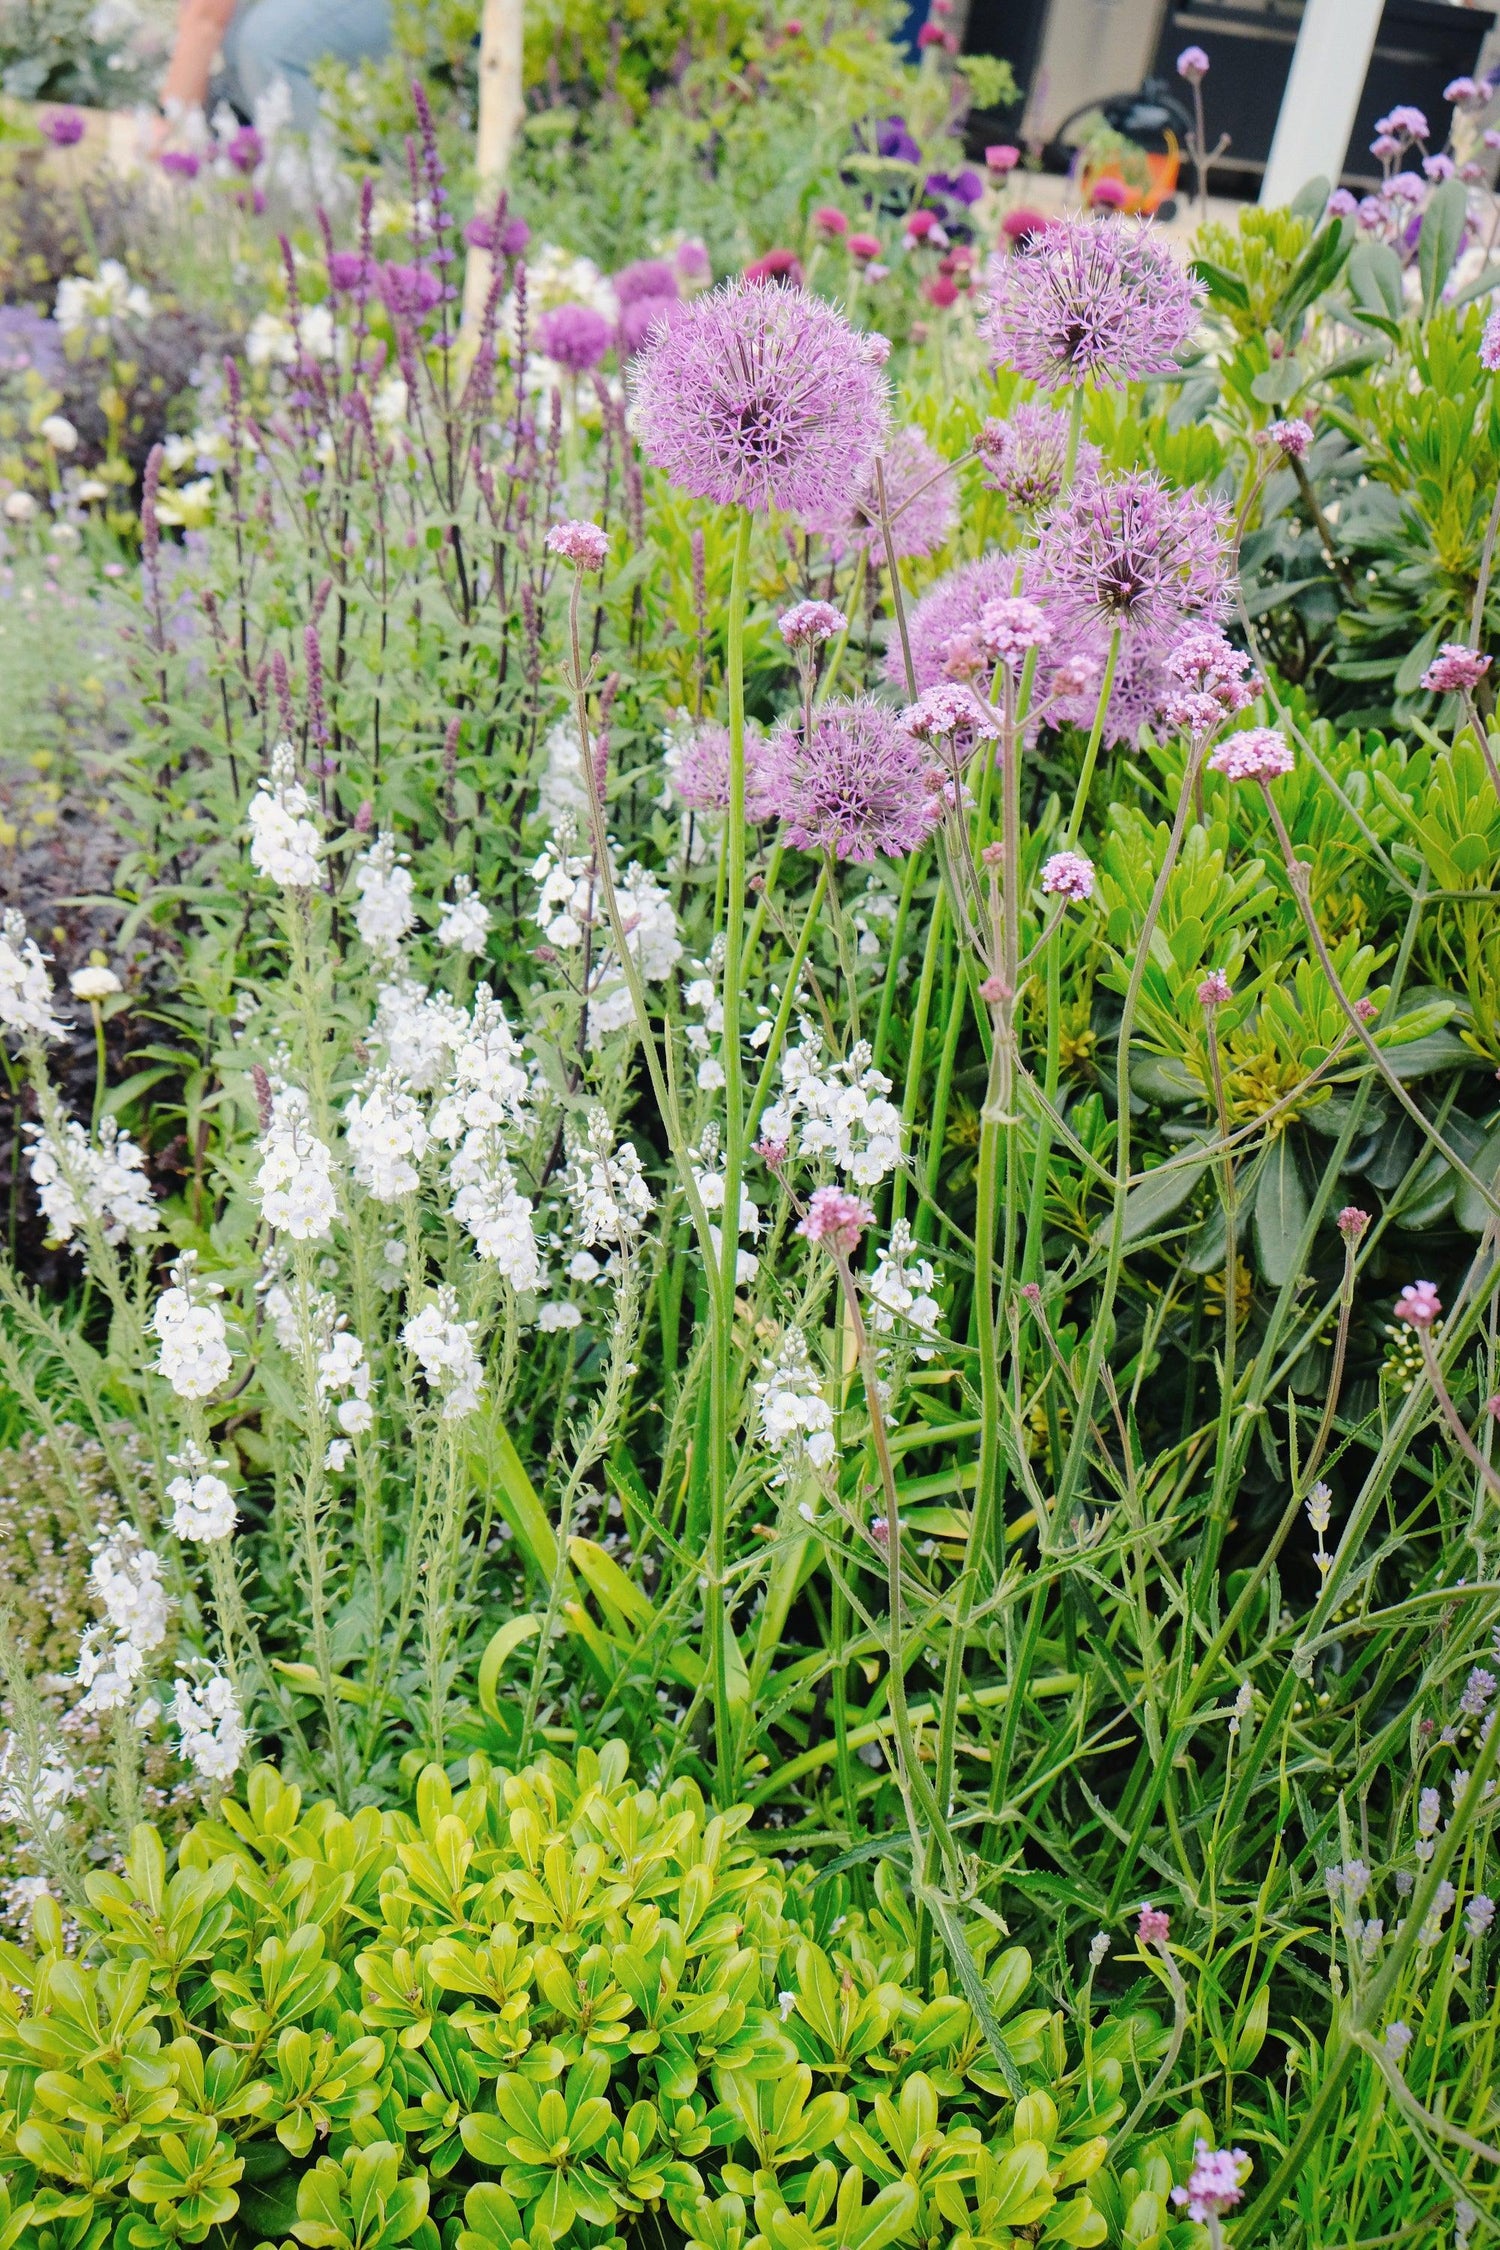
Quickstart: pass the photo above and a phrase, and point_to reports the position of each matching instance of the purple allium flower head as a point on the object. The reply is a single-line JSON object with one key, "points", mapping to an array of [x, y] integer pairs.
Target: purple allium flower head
{"points": [[407, 292], [917, 492], [1215, 991], [1418, 1304], [1352, 1223], [1154, 1926], [1341, 204], [1258, 754], [952, 713], [350, 270], [1455, 670], [1089, 300], [64, 128], [182, 163], [1131, 551], [1192, 64], [509, 239], [861, 786], [1294, 438], [1010, 628], [1214, 2183], [836, 1219], [641, 319], [700, 778], [245, 149], [1069, 875], [1489, 347], [573, 336], [808, 624], [692, 265], [1026, 456], [943, 626], [648, 277], [1404, 121], [581, 543], [761, 397]]}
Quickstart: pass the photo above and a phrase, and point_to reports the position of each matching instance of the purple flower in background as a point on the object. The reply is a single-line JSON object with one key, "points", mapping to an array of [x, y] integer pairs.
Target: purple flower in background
{"points": [[573, 336], [1460, 90], [1214, 2183], [943, 626], [648, 277], [836, 1219], [1132, 552], [1438, 167], [407, 291], [893, 139], [692, 265], [181, 163], [1025, 457], [1386, 144], [761, 397], [64, 128], [700, 778], [1089, 300], [1294, 438], [1489, 344], [1154, 1926], [1341, 204], [1455, 670], [1405, 122], [245, 149], [859, 788], [1192, 64], [917, 492], [1405, 187], [581, 543], [508, 240], [29, 340], [350, 271], [642, 317]]}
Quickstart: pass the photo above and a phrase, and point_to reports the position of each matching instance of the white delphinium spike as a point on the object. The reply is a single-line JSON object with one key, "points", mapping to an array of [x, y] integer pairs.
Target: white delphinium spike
{"points": [[796, 1420], [344, 1373], [466, 923], [497, 1217], [487, 1083], [387, 1136], [385, 911], [285, 845], [25, 987], [211, 1727], [194, 1355], [125, 1577], [838, 1110], [295, 1181], [444, 1346], [606, 1187], [77, 1179], [901, 1294], [419, 1031]]}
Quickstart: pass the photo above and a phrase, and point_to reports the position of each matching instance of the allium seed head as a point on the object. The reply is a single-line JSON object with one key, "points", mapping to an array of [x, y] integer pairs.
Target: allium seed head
{"points": [[1258, 754], [1088, 300], [581, 543], [761, 397], [859, 788]]}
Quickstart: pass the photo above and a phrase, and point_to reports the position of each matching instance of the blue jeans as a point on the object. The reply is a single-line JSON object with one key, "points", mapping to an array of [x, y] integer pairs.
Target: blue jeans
{"points": [[270, 39]]}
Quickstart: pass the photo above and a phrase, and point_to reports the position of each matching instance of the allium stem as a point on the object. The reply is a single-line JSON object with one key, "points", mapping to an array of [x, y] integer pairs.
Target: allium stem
{"points": [[1213, 1530], [1091, 754], [1486, 565], [1451, 1415], [898, 603], [777, 1039]]}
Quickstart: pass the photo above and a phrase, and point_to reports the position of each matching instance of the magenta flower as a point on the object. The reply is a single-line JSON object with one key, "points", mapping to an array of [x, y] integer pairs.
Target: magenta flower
{"points": [[407, 292], [918, 494], [1418, 1304], [700, 777], [761, 397], [350, 270], [1192, 64], [1259, 754], [780, 267], [1131, 552], [859, 788], [1154, 1926], [692, 265], [648, 277], [808, 624], [64, 128], [944, 625], [182, 163], [509, 239], [1002, 157], [1069, 875], [641, 319], [1010, 628], [836, 1219], [573, 336], [1352, 1223], [1214, 2183], [1087, 300], [1455, 670], [1025, 456], [952, 713], [1215, 990], [1294, 438], [581, 543], [245, 149]]}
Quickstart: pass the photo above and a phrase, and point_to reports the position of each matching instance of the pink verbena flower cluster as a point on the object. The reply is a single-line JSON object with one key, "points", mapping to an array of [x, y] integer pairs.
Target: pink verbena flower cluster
{"points": [[1069, 875], [836, 1219], [1258, 754], [807, 624], [1089, 300], [1418, 1304], [583, 544], [1212, 683], [1213, 2185], [1455, 670]]}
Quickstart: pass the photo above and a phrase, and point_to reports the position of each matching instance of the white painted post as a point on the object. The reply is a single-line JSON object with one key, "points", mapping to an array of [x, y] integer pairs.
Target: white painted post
{"points": [[501, 104], [1329, 65]]}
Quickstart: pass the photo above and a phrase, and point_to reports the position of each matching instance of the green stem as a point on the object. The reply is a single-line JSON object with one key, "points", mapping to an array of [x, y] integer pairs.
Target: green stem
{"points": [[1091, 754]]}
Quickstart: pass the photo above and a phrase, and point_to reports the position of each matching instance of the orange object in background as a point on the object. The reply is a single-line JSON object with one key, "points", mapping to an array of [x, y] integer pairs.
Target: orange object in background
{"points": [[1161, 178]]}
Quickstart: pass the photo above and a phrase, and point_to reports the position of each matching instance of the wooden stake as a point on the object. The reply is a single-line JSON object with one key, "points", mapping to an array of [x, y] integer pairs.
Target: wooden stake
{"points": [[500, 111]]}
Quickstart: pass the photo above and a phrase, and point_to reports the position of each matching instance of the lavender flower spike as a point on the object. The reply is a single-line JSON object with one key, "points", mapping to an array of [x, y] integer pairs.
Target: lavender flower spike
{"points": [[1089, 300], [761, 397], [860, 787]]}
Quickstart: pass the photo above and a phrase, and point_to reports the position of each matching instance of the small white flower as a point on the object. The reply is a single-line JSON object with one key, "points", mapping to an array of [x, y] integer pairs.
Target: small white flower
{"points": [[444, 1345], [466, 923], [295, 1181], [25, 987], [202, 1507], [559, 1315], [59, 433], [385, 911], [20, 507], [284, 843], [194, 1355], [211, 1727], [95, 982]]}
